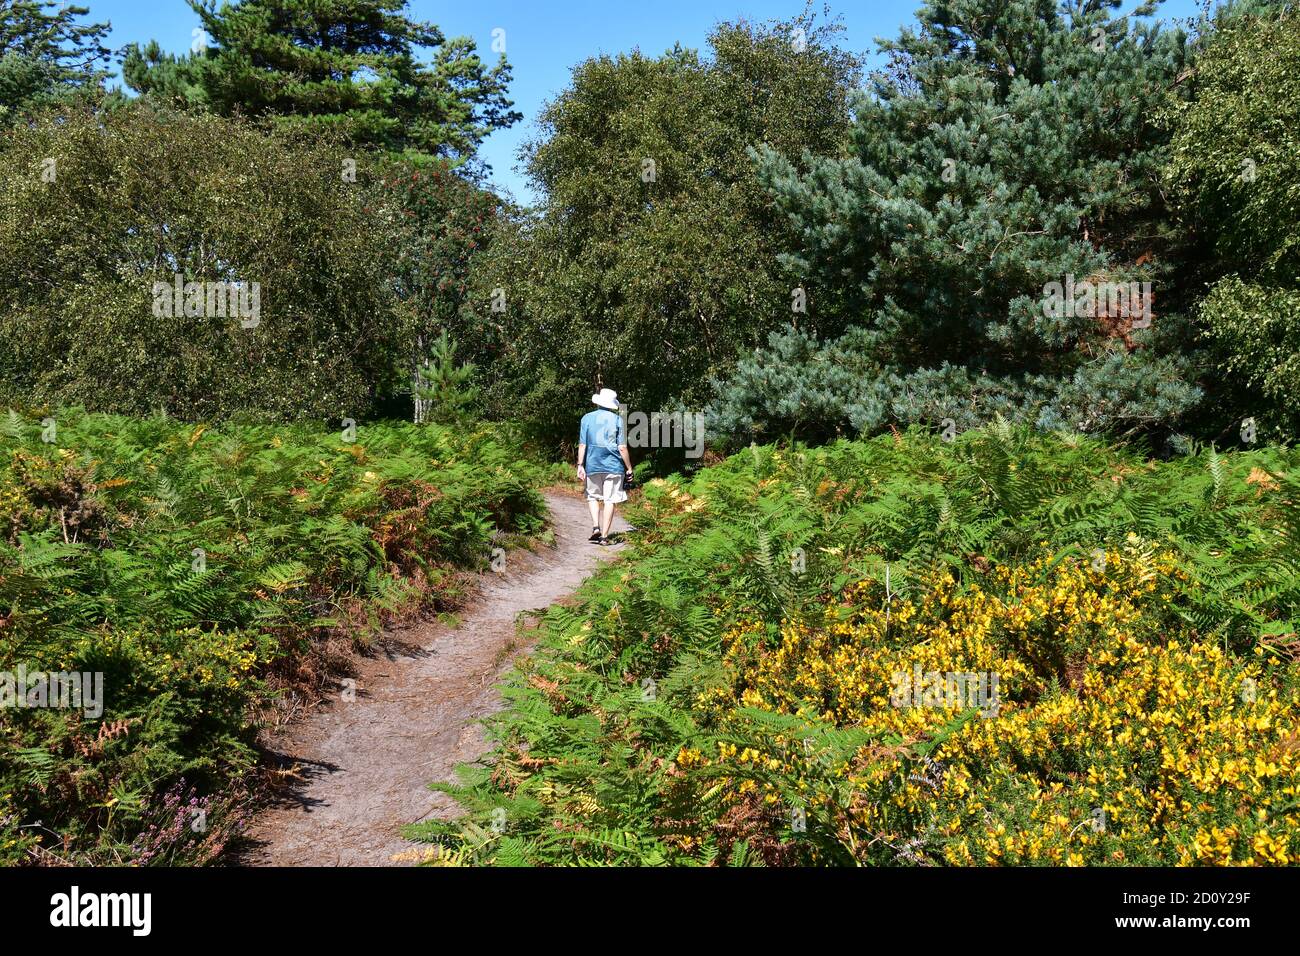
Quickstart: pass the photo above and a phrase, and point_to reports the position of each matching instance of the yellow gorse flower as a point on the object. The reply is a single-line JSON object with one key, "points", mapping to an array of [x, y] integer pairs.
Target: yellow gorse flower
{"points": [[1112, 740]]}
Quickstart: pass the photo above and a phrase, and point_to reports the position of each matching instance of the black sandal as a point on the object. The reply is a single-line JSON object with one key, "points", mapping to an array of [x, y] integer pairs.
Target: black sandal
{"points": [[595, 536]]}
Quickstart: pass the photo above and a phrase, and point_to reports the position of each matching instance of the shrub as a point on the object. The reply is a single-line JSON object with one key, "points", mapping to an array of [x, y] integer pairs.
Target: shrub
{"points": [[205, 571], [814, 391], [1255, 330], [735, 675], [95, 208], [1111, 743], [1232, 170]]}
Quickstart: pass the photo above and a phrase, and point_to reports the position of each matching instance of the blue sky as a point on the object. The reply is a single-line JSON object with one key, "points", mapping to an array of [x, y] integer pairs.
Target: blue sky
{"points": [[546, 38]]}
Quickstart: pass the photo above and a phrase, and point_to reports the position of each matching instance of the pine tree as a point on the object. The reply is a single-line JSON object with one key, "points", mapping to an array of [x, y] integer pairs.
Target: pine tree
{"points": [[44, 54], [347, 65], [444, 390], [1004, 147]]}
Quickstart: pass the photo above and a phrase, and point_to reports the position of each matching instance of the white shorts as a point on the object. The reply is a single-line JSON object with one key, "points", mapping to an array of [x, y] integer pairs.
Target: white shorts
{"points": [[603, 486]]}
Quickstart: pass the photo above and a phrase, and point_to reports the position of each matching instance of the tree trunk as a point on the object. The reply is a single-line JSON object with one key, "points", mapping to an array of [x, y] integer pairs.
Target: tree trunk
{"points": [[422, 406]]}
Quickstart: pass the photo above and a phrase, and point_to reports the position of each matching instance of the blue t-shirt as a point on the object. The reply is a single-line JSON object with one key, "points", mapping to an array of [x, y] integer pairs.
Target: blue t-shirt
{"points": [[602, 432]]}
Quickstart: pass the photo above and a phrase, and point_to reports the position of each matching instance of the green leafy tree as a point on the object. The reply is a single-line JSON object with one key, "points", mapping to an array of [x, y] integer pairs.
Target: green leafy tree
{"points": [[46, 53], [445, 222], [103, 214], [1003, 148], [347, 65], [654, 252], [1233, 168]]}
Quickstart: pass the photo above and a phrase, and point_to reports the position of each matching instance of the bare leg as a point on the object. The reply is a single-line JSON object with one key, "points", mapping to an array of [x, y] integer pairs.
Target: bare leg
{"points": [[594, 508], [607, 519]]}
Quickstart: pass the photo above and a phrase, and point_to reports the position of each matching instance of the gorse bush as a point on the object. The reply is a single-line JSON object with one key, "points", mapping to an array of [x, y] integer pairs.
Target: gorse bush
{"points": [[202, 572], [1107, 742], [727, 694]]}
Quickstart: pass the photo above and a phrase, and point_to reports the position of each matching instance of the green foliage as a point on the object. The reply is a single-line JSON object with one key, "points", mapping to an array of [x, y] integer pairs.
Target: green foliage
{"points": [[97, 209], [1005, 147], [1255, 329], [204, 573], [445, 222], [1232, 166], [800, 386], [349, 66], [649, 277], [445, 393], [1234, 141], [590, 766], [46, 54]]}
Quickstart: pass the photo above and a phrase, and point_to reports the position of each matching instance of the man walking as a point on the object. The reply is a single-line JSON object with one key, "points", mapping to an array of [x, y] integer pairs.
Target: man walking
{"points": [[603, 462]]}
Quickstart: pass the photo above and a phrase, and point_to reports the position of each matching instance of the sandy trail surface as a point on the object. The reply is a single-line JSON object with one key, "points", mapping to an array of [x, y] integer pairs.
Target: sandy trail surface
{"points": [[364, 766]]}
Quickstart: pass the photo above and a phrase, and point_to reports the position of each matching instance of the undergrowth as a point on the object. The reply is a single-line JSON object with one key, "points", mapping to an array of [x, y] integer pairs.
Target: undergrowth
{"points": [[212, 576], [729, 692]]}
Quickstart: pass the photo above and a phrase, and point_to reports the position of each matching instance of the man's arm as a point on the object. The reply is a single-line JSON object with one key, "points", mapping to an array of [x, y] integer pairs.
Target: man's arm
{"points": [[582, 456], [622, 446]]}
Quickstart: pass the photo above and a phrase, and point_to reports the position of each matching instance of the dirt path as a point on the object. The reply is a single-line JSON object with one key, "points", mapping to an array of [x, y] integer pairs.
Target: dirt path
{"points": [[366, 765]]}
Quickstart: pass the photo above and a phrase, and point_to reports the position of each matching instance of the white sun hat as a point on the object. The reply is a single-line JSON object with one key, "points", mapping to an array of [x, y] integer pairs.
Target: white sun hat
{"points": [[606, 398]]}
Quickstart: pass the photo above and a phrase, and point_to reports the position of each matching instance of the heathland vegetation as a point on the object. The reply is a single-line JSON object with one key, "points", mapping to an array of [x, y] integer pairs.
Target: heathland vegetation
{"points": [[216, 578], [782, 670], [992, 556]]}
